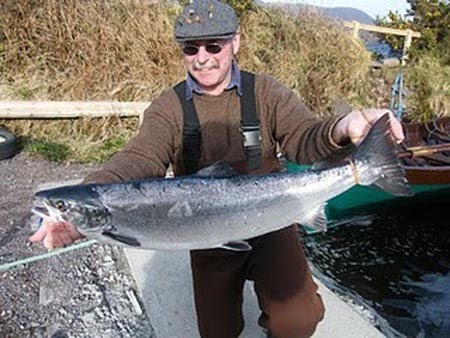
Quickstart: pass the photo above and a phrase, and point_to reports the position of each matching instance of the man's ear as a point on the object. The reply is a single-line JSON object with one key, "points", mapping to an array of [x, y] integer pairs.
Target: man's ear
{"points": [[235, 42]]}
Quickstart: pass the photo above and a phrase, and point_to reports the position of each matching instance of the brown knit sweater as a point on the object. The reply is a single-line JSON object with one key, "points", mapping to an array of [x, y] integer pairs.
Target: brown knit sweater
{"points": [[284, 119]]}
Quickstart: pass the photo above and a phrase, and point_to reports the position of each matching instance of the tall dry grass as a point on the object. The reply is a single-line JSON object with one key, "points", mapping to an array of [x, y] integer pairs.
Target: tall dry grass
{"points": [[124, 50], [315, 56], [87, 50]]}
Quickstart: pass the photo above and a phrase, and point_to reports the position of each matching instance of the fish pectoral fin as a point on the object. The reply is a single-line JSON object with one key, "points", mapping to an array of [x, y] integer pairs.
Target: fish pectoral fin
{"points": [[316, 219], [236, 246], [131, 241]]}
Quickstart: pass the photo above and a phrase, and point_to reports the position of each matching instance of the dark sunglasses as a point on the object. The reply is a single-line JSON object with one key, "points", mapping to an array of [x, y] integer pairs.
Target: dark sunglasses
{"points": [[211, 48]]}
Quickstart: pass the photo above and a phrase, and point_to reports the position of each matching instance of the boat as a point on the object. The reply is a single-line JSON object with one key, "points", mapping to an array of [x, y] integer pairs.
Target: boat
{"points": [[425, 155]]}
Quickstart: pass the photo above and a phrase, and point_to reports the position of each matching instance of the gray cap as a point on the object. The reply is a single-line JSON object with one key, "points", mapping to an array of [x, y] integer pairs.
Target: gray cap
{"points": [[206, 20]]}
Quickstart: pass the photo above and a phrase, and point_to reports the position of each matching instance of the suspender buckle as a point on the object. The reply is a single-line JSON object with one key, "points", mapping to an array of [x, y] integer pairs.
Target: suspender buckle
{"points": [[251, 135]]}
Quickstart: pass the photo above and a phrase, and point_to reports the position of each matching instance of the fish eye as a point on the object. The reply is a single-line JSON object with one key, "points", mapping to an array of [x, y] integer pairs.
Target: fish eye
{"points": [[60, 205]]}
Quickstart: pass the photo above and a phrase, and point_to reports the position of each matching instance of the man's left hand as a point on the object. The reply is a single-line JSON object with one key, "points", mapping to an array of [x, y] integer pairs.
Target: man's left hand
{"points": [[356, 125]]}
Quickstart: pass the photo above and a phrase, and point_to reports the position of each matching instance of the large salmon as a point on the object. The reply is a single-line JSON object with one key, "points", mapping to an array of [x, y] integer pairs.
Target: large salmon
{"points": [[216, 208]]}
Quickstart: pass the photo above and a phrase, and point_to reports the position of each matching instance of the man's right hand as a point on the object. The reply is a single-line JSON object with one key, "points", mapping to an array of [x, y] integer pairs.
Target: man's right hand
{"points": [[55, 234]]}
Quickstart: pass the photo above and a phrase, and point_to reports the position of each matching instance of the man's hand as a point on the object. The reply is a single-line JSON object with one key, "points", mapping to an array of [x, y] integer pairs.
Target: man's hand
{"points": [[56, 234], [355, 126]]}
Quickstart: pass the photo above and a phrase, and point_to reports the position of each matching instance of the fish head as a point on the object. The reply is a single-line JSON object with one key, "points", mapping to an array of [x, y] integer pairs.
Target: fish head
{"points": [[79, 205]]}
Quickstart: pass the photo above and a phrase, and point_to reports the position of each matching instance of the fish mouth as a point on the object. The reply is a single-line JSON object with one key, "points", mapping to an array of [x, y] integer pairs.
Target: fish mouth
{"points": [[40, 211], [44, 210]]}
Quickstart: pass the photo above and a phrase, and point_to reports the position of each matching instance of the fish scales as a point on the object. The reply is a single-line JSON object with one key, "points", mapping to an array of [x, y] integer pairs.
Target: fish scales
{"points": [[207, 211]]}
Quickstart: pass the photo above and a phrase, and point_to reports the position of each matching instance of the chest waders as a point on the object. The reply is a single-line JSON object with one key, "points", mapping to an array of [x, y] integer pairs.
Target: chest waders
{"points": [[250, 126]]}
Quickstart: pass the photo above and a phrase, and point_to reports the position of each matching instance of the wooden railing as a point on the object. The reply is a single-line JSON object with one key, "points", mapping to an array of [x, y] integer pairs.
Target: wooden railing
{"points": [[72, 109]]}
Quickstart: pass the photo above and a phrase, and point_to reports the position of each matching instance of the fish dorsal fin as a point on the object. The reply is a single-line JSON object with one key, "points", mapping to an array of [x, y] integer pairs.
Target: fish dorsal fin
{"points": [[316, 219], [217, 170], [236, 246]]}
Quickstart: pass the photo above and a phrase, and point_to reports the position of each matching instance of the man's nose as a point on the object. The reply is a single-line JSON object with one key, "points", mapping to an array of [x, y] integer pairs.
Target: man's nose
{"points": [[202, 56]]}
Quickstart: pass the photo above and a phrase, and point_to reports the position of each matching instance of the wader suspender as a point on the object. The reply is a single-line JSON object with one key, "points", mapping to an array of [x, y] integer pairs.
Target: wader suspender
{"points": [[191, 130], [250, 127]]}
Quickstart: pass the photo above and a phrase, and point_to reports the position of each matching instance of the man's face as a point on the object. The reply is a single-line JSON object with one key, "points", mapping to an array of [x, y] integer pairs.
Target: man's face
{"points": [[209, 62]]}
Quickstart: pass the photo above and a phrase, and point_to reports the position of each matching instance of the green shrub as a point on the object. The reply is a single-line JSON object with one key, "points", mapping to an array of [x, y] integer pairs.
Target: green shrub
{"points": [[429, 80], [52, 151]]}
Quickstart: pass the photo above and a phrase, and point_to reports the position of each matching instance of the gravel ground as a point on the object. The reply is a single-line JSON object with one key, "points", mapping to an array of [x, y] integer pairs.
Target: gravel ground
{"points": [[89, 292]]}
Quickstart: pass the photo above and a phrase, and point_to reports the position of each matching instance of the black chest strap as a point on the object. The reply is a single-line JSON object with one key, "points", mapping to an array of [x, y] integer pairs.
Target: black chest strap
{"points": [[250, 126], [192, 134]]}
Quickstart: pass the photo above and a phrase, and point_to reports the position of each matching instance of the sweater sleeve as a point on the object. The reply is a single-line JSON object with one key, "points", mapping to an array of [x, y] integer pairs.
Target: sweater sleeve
{"points": [[303, 137], [150, 152]]}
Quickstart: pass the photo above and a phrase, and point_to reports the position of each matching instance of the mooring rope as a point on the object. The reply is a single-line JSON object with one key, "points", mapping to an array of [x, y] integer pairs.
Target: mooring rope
{"points": [[55, 252]]}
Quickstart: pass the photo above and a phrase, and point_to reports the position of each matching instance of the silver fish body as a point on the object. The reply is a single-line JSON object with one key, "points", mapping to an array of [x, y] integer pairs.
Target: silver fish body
{"points": [[208, 209]]}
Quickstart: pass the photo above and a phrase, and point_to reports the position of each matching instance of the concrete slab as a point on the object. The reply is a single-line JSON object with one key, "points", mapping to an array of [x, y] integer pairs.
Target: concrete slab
{"points": [[165, 283]]}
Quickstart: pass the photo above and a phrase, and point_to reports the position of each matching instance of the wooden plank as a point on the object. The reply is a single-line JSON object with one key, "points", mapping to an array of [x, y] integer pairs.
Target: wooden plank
{"points": [[378, 29], [69, 109]]}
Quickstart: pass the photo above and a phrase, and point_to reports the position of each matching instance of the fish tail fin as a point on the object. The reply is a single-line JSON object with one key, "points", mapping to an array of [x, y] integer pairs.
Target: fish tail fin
{"points": [[377, 162]]}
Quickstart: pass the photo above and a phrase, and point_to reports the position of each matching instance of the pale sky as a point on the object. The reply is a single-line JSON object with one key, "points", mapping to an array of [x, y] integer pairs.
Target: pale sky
{"points": [[371, 7]]}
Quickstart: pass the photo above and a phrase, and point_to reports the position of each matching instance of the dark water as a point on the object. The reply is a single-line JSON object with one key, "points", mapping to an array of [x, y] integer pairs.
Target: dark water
{"points": [[398, 265], [381, 49]]}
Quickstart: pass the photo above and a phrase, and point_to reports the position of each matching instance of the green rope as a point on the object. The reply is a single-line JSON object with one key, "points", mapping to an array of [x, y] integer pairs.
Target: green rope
{"points": [[49, 254]]}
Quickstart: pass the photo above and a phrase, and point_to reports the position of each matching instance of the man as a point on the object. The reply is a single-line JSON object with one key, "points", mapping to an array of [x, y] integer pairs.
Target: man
{"points": [[202, 121]]}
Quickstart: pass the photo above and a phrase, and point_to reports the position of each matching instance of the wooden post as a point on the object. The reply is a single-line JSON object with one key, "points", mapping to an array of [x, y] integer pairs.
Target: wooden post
{"points": [[141, 118], [406, 45], [356, 26]]}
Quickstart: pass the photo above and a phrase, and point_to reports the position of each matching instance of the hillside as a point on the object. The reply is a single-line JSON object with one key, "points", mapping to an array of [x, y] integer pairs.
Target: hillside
{"points": [[337, 13], [347, 14]]}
